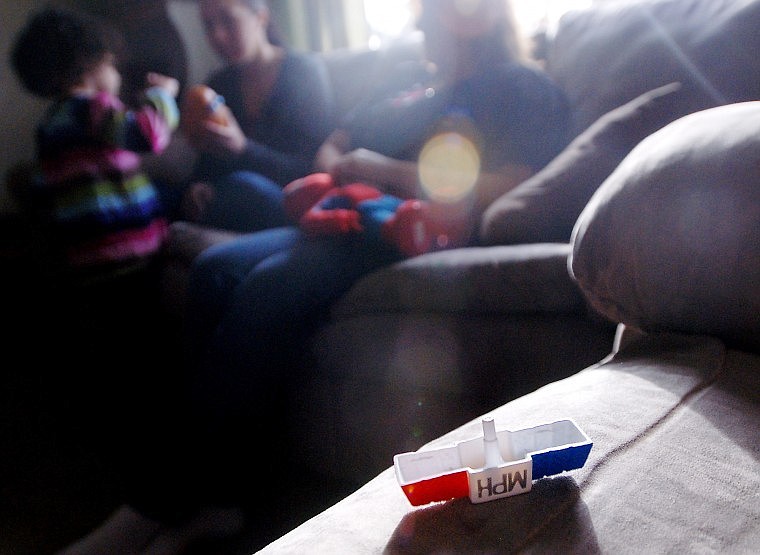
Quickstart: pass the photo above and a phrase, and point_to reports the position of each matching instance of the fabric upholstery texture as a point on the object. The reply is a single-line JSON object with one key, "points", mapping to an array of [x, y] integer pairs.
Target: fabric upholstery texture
{"points": [[513, 279], [671, 240], [408, 377], [605, 57], [669, 244], [673, 421], [435, 340], [544, 207]]}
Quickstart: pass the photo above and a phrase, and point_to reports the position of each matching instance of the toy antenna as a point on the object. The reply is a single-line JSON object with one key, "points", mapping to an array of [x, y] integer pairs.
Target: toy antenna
{"points": [[491, 444]]}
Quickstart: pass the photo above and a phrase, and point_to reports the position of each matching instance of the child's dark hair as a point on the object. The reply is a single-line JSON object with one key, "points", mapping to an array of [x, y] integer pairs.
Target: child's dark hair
{"points": [[56, 47]]}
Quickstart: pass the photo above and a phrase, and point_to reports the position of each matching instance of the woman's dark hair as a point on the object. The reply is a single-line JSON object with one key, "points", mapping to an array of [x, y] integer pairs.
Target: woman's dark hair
{"points": [[56, 47], [273, 31]]}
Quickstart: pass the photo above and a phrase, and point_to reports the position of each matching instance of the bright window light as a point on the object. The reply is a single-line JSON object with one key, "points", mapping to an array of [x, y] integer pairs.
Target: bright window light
{"points": [[389, 19], [536, 15]]}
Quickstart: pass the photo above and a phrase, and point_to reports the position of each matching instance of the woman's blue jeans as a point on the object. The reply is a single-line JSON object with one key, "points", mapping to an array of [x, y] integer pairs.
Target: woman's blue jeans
{"points": [[246, 201], [253, 303]]}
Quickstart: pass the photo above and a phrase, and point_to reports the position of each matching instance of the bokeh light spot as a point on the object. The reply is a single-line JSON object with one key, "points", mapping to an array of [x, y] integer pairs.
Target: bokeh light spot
{"points": [[449, 167]]}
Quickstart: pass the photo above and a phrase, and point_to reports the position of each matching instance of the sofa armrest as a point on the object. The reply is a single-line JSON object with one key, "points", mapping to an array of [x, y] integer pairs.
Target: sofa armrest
{"points": [[673, 422]]}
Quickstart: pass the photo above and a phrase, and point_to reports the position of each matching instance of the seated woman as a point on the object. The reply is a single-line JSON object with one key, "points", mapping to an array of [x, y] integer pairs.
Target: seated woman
{"points": [[477, 96], [278, 111], [458, 131]]}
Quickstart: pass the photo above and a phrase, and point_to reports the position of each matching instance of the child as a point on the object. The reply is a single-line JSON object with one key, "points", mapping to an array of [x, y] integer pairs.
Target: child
{"points": [[103, 222], [102, 213]]}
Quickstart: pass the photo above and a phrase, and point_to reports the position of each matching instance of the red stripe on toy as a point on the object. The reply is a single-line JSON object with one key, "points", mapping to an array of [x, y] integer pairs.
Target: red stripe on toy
{"points": [[441, 488]]}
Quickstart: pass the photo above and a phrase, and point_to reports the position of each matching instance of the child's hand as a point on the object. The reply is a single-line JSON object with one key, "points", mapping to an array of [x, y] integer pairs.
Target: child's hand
{"points": [[169, 84]]}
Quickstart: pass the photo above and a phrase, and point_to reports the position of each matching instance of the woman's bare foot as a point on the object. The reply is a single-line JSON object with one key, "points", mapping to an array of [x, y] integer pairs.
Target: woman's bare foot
{"points": [[184, 242], [125, 531], [129, 532], [211, 523], [187, 240], [196, 201]]}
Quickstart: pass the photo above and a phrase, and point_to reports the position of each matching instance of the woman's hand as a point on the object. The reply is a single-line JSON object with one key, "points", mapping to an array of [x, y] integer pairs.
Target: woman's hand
{"points": [[220, 139], [346, 166], [360, 165], [331, 151], [395, 177]]}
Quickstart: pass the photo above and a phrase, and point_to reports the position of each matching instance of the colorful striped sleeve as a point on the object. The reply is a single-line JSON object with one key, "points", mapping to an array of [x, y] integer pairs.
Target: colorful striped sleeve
{"points": [[147, 129]]}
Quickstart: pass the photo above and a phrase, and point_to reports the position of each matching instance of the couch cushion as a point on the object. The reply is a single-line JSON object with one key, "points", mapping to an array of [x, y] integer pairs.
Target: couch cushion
{"points": [[489, 280], [606, 56], [545, 207], [389, 382], [670, 240], [675, 467]]}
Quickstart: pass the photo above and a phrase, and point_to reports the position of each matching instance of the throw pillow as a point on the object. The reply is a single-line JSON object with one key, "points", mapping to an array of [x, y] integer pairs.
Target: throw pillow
{"points": [[544, 208], [671, 240]]}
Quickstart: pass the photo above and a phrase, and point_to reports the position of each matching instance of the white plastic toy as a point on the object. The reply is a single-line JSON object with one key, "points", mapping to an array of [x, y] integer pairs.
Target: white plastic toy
{"points": [[496, 465]]}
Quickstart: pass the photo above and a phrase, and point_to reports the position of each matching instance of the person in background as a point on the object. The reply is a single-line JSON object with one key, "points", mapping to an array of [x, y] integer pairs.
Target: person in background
{"points": [[103, 213], [274, 108], [102, 224], [476, 98], [278, 109], [476, 109]]}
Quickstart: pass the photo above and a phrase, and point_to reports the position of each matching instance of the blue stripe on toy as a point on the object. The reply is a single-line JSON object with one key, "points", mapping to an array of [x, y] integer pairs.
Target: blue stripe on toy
{"points": [[556, 461]]}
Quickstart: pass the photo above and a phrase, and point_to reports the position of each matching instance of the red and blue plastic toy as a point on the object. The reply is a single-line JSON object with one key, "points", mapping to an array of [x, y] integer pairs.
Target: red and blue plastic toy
{"points": [[321, 208]]}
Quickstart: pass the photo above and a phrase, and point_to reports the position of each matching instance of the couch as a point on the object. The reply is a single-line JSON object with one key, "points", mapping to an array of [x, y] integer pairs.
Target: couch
{"points": [[673, 468], [591, 295], [419, 348], [667, 246]]}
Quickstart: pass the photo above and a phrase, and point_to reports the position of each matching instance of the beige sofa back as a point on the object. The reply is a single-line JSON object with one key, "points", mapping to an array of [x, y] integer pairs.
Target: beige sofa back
{"points": [[607, 56]]}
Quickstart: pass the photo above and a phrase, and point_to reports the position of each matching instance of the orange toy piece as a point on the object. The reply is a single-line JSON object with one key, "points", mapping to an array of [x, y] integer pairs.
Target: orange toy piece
{"points": [[201, 104]]}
